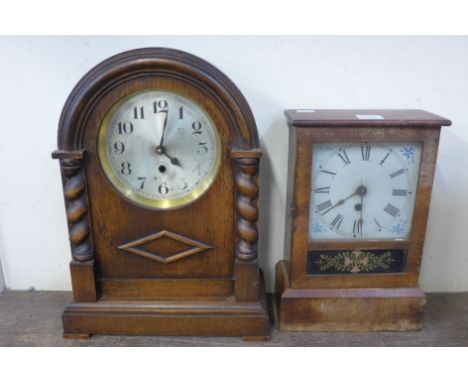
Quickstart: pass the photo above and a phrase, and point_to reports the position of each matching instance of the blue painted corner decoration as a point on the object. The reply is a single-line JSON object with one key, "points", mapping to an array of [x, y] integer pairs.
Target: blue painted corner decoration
{"points": [[317, 227], [409, 153], [398, 228]]}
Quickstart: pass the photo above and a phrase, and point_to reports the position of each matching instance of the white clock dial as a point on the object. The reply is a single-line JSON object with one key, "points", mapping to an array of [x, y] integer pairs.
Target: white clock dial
{"points": [[363, 190], [159, 149]]}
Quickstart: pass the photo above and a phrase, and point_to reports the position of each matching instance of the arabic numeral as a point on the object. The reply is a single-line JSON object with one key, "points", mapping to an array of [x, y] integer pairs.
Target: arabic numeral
{"points": [[184, 184], [160, 106], [119, 148], [196, 127], [202, 149], [163, 189], [143, 180], [197, 169], [125, 168], [138, 112], [125, 127]]}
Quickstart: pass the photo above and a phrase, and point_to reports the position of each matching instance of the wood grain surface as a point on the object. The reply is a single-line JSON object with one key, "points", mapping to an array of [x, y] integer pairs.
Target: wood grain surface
{"points": [[33, 319], [303, 306], [204, 254]]}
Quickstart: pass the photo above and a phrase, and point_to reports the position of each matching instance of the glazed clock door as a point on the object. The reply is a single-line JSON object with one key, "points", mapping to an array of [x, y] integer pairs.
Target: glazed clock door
{"points": [[363, 191], [362, 195]]}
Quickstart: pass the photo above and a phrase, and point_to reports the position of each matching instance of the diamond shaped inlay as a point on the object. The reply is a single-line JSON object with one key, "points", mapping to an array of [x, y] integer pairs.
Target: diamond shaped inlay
{"points": [[163, 239]]}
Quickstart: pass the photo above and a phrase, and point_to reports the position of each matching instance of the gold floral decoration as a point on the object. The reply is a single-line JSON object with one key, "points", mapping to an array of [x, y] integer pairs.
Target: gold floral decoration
{"points": [[355, 261]]}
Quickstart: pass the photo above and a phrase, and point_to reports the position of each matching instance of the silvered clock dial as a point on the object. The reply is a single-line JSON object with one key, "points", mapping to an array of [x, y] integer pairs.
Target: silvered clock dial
{"points": [[159, 149]]}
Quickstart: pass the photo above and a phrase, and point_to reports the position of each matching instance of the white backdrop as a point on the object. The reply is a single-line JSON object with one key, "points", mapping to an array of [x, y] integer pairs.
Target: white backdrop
{"points": [[2, 282], [274, 73]]}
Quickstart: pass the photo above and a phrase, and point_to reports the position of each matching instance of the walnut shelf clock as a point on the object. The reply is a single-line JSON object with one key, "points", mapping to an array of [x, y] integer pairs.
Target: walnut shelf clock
{"points": [[360, 185], [159, 155]]}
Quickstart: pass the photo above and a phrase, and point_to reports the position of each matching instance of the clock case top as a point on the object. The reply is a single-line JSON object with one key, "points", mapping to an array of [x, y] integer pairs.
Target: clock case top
{"points": [[222, 223], [308, 127], [348, 118]]}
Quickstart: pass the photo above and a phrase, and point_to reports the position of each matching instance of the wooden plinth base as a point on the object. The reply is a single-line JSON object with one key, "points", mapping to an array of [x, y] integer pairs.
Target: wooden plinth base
{"points": [[360, 309], [170, 318], [210, 317]]}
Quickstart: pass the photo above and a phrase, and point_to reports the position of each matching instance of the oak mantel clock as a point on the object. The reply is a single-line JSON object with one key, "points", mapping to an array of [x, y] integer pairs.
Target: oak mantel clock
{"points": [[360, 184], [159, 154]]}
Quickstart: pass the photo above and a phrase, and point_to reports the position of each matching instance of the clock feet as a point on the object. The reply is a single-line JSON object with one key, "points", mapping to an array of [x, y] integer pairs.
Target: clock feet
{"points": [[76, 336], [255, 338]]}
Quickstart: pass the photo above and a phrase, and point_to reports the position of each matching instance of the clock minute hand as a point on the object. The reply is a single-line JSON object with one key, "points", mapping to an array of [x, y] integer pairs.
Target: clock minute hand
{"points": [[161, 149], [361, 190], [161, 143], [340, 202], [155, 130]]}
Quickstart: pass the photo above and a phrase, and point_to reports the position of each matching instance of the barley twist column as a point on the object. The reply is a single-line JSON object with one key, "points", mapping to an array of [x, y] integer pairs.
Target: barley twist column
{"points": [[247, 208], [76, 205]]}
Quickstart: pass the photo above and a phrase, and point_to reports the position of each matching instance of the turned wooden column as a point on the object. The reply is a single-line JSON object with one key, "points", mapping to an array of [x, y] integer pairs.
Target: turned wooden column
{"points": [[246, 264], [79, 230]]}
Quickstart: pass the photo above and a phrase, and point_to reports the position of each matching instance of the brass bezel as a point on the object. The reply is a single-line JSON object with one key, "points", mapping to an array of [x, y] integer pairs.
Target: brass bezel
{"points": [[124, 190]]}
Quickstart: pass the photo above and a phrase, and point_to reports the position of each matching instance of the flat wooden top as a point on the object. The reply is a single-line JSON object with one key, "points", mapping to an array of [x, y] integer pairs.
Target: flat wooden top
{"points": [[363, 117]]}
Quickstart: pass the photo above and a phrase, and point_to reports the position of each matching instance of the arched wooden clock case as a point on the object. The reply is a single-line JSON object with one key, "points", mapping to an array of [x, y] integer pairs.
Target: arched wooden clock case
{"points": [[135, 270]]}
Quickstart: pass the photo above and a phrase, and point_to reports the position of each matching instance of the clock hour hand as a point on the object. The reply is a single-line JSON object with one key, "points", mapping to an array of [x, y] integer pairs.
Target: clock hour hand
{"points": [[361, 191], [361, 207], [174, 161]]}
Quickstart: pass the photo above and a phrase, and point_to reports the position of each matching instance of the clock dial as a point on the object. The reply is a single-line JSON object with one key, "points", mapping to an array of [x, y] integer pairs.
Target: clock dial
{"points": [[159, 149], [363, 190]]}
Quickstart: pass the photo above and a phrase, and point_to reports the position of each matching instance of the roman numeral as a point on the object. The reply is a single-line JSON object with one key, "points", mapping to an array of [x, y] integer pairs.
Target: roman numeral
{"points": [[397, 192], [384, 158], [336, 222], [322, 190], [391, 210], [357, 226], [365, 152], [328, 172], [378, 224], [342, 154], [396, 173], [324, 206]]}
